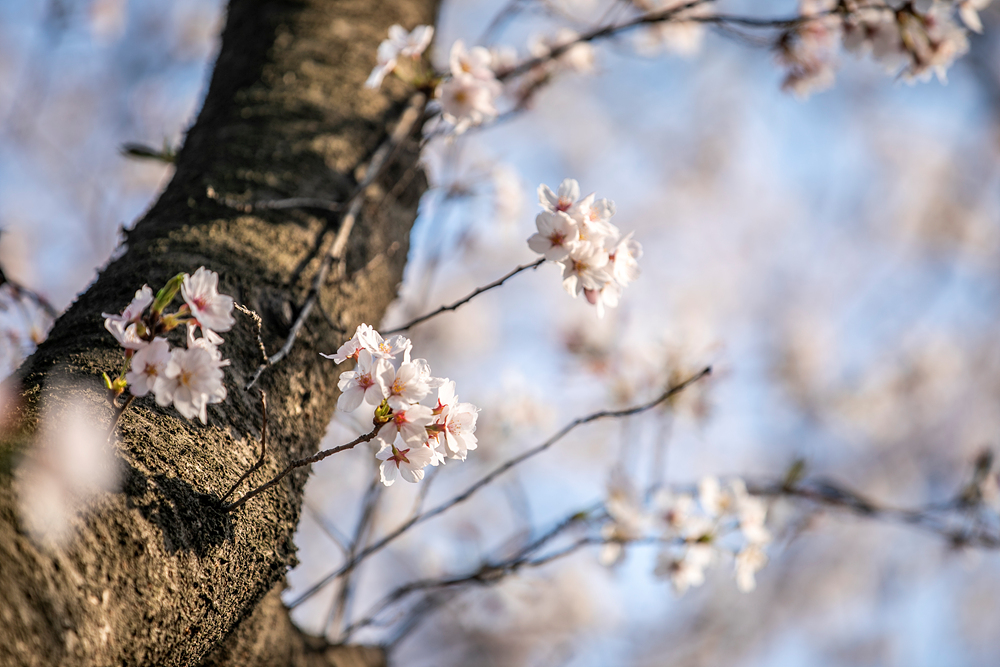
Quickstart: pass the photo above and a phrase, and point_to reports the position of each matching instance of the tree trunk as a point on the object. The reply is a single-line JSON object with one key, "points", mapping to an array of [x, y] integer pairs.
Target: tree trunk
{"points": [[157, 574]]}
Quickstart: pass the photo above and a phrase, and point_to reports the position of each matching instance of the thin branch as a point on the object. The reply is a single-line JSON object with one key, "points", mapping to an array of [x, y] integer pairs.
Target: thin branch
{"points": [[298, 463], [378, 163], [328, 528], [18, 290], [257, 321], [118, 415], [467, 298], [465, 495], [263, 444]]}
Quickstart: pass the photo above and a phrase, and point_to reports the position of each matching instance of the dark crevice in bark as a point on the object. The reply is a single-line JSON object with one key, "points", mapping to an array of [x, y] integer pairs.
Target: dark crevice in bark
{"points": [[157, 574]]}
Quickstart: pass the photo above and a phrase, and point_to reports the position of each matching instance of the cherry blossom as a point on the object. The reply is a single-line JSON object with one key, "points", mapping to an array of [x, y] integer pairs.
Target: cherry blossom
{"points": [[688, 570], [585, 269], [467, 100], [132, 313], [211, 309], [408, 463], [460, 428], [556, 234], [569, 193], [476, 62], [400, 43], [148, 364], [410, 424], [368, 382], [408, 386], [748, 562], [192, 380], [127, 335]]}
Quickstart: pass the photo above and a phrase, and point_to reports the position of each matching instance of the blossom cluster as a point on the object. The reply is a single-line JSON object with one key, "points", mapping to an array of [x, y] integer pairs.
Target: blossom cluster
{"points": [[912, 39], [467, 93], [189, 377], [411, 435], [577, 233], [726, 522]]}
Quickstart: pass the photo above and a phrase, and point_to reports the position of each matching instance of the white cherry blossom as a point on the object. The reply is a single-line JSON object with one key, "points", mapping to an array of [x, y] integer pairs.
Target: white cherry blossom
{"points": [[132, 313], [688, 570], [368, 382], [563, 200], [556, 233], [467, 100], [408, 386], [211, 309], [476, 62], [148, 364], [460, 429], [410, 424], [585, 268], [624, 258], [126, 334], [408, 462], [749, 561], [400, 43], [192, 380]]}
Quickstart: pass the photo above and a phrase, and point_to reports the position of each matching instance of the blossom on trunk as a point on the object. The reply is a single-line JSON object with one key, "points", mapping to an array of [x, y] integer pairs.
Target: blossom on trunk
{"points": [[211, 309], [148, 364], [400, 43]]}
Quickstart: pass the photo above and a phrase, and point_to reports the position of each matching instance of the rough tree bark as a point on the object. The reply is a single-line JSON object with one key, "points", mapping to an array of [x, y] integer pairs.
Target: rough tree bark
{"points": [[157, 574]]}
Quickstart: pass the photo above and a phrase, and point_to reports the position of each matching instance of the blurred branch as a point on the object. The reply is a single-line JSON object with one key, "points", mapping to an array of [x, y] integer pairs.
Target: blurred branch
{"points": [[467, 298]]}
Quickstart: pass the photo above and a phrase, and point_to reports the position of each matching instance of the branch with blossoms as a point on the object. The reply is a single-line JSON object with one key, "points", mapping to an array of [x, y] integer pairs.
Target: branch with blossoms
{"points": [[911, 39], [492, 476]]}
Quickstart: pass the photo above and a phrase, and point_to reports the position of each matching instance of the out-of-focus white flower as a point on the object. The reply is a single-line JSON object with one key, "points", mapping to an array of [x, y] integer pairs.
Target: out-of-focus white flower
{"points": [[69, 464], [192, 380], [688, 570], [467, 100], [148, 364], [608, 295], [400, 43], [808, 51], [624, 260], [585, 268], [579, 56], [556, 234], [368, 382], [477, 62], [629, 520], [408, 463], [749, 561], [201, 293], [674, 35], [409, 424], [968, 10], [673, 509]]}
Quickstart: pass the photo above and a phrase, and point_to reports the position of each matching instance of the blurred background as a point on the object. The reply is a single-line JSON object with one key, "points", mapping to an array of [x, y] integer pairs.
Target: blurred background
{"points": [[835, 259]]}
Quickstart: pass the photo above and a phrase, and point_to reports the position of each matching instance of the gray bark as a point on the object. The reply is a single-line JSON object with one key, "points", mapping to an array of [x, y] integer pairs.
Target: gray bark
{"points": [[158, 574]]}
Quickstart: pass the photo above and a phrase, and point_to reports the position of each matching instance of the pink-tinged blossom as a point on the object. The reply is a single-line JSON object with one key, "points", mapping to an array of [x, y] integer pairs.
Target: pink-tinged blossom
{"points": [[192, 381], [608, 295], [211, 309], [585, 268], [408, 386], [348, 350], [408, 462], [400, 44], [369, 382], [460, 429], [467, 100], [624, 260], [563, 200], [209, 341], [556, 234], [148, 364], [410, 424], [968, 10], [384, 348], [476, 62], [133, 311], [126, 334]]}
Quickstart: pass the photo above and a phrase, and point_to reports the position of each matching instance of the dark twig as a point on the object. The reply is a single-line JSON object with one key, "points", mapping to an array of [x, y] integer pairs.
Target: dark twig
{"points": [[257, 321], [376, 165], [263, 445], [467, 298], [298, 463], [118, 415], [488, 478]]}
